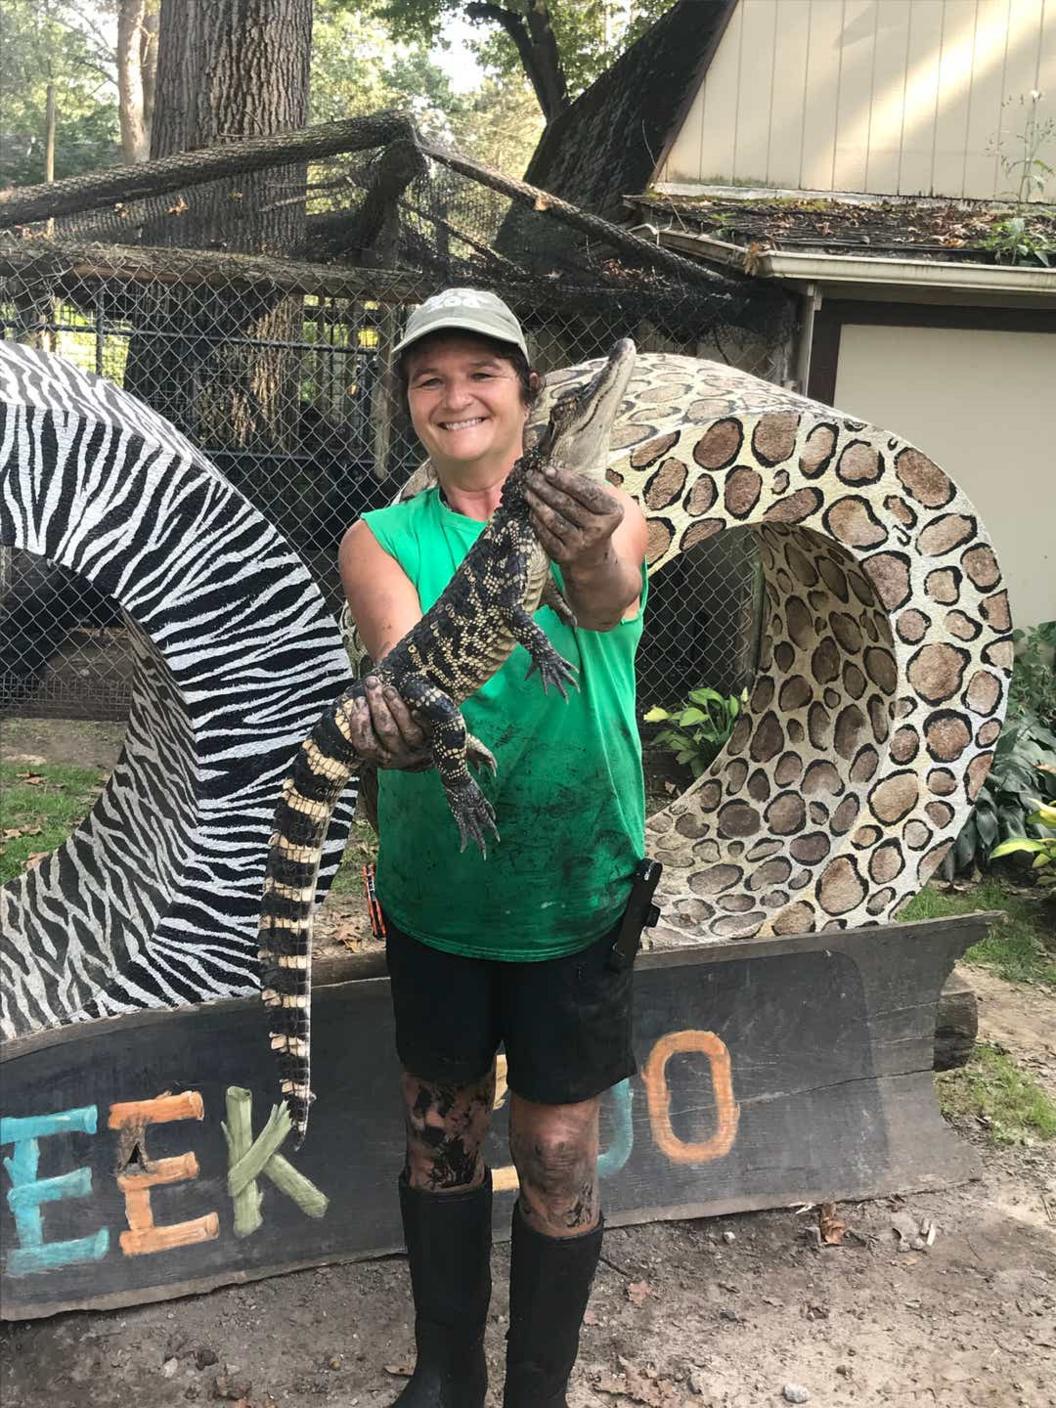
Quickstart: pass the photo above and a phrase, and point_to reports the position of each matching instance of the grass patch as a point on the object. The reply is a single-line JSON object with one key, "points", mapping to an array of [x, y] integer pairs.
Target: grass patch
{"points": [[1016, 948], [992, 1090], [39, 807]]}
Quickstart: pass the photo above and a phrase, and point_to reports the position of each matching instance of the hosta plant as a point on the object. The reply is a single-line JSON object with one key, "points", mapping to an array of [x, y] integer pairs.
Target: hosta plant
{"points": [[697, 729], [1042, 848], [1022, 763]]}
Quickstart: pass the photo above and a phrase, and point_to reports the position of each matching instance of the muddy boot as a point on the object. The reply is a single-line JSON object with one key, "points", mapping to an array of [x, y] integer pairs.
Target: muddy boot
{"points": [[449, 1254], [549, 1285]]}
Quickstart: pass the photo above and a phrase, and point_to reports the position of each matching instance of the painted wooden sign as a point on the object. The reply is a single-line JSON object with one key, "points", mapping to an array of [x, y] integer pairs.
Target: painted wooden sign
{"points": [[144, 1158]]}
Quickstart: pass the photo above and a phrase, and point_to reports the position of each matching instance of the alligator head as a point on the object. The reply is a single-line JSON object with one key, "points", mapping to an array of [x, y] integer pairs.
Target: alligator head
{"points": [[580, 427]]}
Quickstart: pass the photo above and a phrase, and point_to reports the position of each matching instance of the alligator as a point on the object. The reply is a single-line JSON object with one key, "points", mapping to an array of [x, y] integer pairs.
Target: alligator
{"points": [[456, 646]]}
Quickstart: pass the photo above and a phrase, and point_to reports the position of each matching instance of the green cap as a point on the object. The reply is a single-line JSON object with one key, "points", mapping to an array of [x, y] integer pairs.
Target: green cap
{"points": [[465, 309]]}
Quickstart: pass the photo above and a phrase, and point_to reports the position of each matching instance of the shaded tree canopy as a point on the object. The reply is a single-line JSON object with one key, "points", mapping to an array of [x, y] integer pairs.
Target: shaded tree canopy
{"points": [[561, 46], [39, 46]]}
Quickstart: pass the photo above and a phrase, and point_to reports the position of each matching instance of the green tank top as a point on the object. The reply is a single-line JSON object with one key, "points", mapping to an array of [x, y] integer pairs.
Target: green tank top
{"points": [[568, 796]]}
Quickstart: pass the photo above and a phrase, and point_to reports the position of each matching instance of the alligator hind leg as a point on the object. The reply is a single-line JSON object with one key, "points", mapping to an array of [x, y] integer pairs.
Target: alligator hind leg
{"points": [[450, 744]]}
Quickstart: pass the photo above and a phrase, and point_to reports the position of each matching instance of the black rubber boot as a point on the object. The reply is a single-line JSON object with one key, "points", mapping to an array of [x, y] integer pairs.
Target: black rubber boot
{"points": [[449, 1253], [550, 1280]]}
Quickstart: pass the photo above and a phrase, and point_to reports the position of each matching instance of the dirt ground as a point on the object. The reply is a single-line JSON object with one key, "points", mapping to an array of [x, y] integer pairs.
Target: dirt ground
{"points": [[730, 1311]]}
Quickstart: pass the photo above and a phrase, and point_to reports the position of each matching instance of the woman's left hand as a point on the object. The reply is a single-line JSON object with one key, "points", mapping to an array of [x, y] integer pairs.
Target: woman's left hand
{"points": [[574, 516]]}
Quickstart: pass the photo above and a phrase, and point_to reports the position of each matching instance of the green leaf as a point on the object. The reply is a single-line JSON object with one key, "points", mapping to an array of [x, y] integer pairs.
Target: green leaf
{"points": [[1008, 848], [655, 715], [689, 717], [986, 826]]}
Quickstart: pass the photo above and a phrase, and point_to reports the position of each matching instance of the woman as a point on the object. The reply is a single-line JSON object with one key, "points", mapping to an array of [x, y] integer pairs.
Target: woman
{"points": [[512, 948]]}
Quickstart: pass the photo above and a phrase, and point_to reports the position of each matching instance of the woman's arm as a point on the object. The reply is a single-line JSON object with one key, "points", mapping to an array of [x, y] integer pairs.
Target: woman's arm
{"points": [[597, 535], [384, 606]]}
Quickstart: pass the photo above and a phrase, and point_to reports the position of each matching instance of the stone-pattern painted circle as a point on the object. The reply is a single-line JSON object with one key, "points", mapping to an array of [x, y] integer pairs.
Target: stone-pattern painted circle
{"points": [[155, 898], [886, 659]]}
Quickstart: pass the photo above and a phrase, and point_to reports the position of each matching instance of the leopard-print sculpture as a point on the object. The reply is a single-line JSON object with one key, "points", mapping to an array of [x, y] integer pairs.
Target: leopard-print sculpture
{"points": [[885, 661]]}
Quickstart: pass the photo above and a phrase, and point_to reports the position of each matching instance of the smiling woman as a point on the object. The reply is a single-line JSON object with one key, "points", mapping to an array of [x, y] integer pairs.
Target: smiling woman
{"points": [[510, 948]]}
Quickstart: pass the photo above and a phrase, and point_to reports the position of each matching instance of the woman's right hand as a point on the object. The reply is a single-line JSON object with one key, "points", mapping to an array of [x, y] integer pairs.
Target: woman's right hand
{"points": [[384, 731]]}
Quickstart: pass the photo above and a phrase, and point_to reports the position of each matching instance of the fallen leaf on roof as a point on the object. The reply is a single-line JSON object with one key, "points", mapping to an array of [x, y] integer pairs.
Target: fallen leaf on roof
{"points": [[638, 1292]]}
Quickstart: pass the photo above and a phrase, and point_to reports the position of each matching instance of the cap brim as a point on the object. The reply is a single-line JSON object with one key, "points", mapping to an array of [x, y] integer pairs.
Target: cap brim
{"points": [[460, 325]]}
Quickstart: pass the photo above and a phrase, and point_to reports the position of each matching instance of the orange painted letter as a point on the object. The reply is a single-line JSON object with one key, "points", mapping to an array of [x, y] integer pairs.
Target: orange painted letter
{"points": [[727, 1111], [131, 1119]]}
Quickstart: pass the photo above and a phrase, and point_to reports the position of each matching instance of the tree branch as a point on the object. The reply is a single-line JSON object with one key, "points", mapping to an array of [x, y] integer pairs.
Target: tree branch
{"points": [[515, 27], [614, 235], [173, 173]]}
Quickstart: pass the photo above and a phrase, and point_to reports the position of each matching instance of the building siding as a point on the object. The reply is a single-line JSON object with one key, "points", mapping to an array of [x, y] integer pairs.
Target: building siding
{"points": [[882, 96], [970, 399]]}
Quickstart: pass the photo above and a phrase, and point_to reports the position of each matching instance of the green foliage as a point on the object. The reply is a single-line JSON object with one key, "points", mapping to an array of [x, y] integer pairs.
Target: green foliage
{"points": [[992, 1090], [1020, 152], [590, 34], [1018, 240], [1009, 794], [357, 69], [1042, 848], [39, 45], [1022, 770], [1015, 948], [39, 807], [499, 124], [699, 728], [1033, 684]]}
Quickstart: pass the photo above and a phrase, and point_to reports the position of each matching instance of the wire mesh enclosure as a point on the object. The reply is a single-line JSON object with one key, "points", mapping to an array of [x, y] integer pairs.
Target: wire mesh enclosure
{"points": [[257, 312]]}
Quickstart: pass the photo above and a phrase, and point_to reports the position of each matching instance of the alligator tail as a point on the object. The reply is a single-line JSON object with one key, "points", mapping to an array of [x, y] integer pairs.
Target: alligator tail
{"points": [[321, 771]]}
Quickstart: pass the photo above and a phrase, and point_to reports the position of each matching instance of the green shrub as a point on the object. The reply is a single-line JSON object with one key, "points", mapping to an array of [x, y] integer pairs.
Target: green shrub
{"points": [[1042, 848], [1033, 685], [1022, 771], [1009, 795], [698, 728]]}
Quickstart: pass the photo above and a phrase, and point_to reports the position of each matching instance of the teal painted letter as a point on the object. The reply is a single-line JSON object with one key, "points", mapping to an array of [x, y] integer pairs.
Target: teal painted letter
{"points": [[28, 1192]]}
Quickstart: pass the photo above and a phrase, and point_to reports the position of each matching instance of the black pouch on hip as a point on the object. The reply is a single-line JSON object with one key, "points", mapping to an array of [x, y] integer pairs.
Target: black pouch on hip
{"points": [[641, 913]]}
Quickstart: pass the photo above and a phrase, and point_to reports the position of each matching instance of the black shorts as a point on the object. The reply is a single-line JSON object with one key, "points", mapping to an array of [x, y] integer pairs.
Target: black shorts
{"points": [[565, 1022]]}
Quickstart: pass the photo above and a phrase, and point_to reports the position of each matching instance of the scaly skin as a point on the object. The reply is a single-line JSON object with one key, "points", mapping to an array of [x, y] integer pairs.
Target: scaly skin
{"points": [[460, 642]]}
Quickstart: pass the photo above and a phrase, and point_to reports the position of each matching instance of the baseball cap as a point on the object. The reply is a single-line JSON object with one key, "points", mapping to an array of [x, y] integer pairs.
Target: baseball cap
{"points": [[467, 309]]}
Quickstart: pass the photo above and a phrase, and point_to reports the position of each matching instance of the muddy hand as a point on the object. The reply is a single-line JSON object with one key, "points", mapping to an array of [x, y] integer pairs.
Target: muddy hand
{"points": [[573, 515], [385, 732]]}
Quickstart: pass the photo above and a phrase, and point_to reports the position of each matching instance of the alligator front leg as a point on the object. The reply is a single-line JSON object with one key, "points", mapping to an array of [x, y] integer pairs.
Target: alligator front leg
{"points": [[448, 739], [555, 598], [553, 668]]}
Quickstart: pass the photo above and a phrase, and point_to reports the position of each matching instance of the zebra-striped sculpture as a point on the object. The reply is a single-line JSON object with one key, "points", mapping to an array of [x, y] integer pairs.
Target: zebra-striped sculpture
{"points": [[154, 900]]}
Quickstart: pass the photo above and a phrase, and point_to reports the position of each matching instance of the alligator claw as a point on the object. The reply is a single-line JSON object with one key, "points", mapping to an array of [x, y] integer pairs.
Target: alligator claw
{"points": [[554, 670], [474, 816], [480, 755]]}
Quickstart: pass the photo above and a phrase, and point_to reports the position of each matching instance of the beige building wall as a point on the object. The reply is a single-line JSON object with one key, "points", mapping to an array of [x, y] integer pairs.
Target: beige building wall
{"points": [[977, 403], [882, 96]]}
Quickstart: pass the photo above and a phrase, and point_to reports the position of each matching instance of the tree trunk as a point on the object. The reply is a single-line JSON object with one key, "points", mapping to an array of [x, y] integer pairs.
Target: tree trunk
{"points": [[223, 366], [131, 106], [148, 64]]}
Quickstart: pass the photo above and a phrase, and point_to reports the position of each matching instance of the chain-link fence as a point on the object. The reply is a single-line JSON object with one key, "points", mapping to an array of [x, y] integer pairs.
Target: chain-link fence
{"points": [[257, 313]]}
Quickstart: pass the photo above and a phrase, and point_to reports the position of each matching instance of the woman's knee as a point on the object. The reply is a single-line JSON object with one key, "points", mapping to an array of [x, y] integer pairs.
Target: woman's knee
{"points": [[446, 1127], [555, 1150]]}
